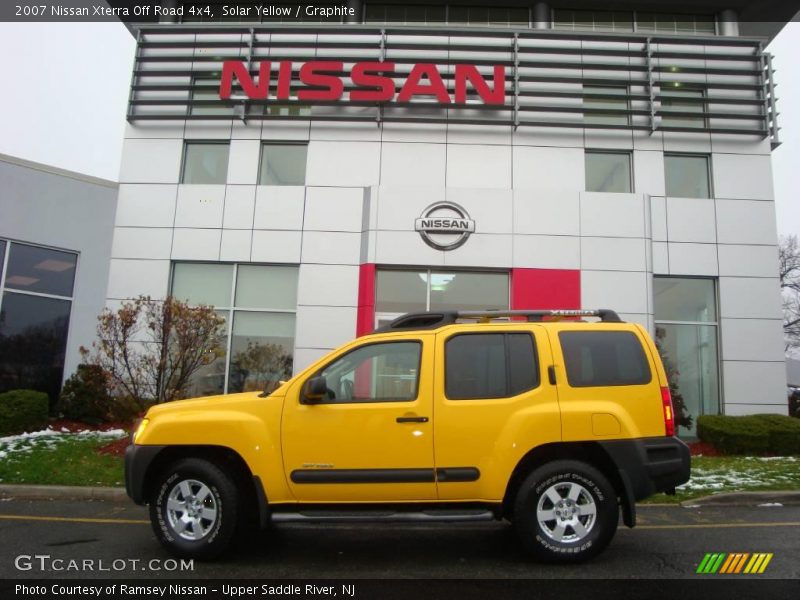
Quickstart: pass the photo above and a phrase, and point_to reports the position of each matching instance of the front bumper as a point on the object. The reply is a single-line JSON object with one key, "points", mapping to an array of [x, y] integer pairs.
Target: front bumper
{"points": [[137, 465], [650, 465]]}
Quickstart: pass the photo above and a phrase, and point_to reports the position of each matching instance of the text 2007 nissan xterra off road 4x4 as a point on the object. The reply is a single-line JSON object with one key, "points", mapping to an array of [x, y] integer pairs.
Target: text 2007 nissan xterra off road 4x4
{"points": [[549, 422]]}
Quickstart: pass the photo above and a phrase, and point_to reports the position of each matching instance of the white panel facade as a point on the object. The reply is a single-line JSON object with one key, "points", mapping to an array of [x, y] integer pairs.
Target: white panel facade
{"points": [[200, 206], [346, 164], [742, 177], [746, 222], [333, 209], [129, 278], [559, 169], [754, 387], [525, 189], [413, 164], [546, 212], [151, 161], [478, 166], [626, 292], [691, 220], [327, 285], [693, 259], [143, 205], [243, 163], [279, 207]]}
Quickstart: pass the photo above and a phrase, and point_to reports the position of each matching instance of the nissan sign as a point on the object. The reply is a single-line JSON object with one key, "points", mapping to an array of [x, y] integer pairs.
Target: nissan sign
{"points": [[444, 225]]}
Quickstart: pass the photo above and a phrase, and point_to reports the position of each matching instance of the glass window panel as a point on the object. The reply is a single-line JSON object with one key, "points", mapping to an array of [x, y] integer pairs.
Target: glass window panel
{"points": [[209, 380], [679, 299], [475, 367], [623, 21], [705, 24], [395, 14], [518, 16], [690, 353], [2, 257], [33, 341], [375, 13], [199, 283], [603, 20], [563, 19], [458, 15], [645, 21], [375, 373], [36, 269], [401, 291], [208, 89], [266, 287], [673, 103], [415, 14], [606, 103], [205, 163], [469, 291], [600, 358], [283, 164], [261, 350], [608, 172], [687, 176], [478, 15], [436, 14]]}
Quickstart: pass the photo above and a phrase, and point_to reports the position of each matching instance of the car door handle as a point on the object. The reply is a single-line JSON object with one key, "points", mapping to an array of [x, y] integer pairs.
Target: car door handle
{"points": [[412, 419]]}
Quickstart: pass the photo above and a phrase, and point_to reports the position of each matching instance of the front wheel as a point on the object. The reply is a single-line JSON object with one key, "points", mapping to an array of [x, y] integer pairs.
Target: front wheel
{"points": [[566, 511], [194, 510]]}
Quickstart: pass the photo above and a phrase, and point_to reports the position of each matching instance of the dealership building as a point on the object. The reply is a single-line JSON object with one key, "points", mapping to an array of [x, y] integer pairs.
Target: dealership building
{"points": [[314, 178]]}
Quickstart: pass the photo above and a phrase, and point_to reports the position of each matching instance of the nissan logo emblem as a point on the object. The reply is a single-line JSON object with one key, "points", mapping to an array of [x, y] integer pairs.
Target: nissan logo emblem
{"points": [[444, 225]]}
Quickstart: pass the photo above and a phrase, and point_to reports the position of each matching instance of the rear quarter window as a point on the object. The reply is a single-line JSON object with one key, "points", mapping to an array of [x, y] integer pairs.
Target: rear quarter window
{"points": [[603, 358]]}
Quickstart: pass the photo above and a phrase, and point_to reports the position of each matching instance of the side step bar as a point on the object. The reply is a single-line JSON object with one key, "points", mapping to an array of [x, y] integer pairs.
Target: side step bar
{"points": [[345, 516]]}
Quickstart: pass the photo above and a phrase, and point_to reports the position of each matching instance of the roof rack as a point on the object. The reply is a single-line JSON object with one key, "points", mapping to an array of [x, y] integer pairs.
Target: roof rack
{"points": [[436, 319]]}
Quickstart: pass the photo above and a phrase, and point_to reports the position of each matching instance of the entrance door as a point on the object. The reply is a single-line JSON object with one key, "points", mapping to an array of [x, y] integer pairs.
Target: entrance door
{"points": [[369, 438]]}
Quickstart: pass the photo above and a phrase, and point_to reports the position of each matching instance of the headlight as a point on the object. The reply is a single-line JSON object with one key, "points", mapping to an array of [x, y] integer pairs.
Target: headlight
{"points": [[139, 429]]}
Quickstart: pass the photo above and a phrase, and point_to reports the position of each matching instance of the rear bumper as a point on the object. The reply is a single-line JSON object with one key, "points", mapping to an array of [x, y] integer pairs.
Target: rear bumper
{"points": [[137, 463], [650, 465]]}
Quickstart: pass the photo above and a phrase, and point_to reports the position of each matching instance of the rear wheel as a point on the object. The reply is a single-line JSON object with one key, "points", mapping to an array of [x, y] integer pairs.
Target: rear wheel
{"points": [[566, 511], [194, 511]]}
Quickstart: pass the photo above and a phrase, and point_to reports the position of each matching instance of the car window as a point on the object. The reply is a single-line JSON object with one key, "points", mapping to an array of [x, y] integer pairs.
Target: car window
{"points": [[490, 365], [383, 372], [603, 358]]}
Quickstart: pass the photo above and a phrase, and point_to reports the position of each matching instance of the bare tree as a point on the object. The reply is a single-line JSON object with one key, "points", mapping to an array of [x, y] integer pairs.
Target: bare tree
{"points": [[789, 272], [150, 349]]}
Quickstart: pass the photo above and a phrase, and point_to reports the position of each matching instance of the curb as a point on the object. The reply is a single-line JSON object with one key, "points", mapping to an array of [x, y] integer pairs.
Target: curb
{"points": [[62, 492], [785, 498]]}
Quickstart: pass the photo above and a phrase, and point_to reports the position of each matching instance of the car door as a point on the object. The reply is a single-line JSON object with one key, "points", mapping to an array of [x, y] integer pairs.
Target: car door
{"points": [[494, 403], [369, 437]]}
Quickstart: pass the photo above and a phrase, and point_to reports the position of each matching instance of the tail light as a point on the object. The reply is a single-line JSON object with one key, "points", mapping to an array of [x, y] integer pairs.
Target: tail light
{"points": [[669, 413]]}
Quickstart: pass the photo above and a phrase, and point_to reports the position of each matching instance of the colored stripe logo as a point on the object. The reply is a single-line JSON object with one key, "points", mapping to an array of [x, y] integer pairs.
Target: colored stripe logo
{"points": [[734, 563]]}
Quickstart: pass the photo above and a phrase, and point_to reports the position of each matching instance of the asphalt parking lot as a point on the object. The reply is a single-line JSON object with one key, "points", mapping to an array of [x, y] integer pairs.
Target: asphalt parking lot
{"points": [[116, 539]]}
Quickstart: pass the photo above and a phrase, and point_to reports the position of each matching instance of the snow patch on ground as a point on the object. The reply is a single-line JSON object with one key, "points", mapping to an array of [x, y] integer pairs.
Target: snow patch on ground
{"points": [[23, 443], [752, 473]]}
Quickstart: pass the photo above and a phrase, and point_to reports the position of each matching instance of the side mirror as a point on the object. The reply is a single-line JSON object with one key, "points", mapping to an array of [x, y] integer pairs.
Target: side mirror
{"points": [[314, 390]]}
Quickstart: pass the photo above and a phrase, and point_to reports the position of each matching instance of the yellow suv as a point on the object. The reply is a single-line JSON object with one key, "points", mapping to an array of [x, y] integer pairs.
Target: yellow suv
{"points": [[550, 422]]}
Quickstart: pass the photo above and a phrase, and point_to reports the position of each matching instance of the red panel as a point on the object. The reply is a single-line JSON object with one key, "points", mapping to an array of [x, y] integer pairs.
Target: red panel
{"points": [[365, 317], [538, 289]]}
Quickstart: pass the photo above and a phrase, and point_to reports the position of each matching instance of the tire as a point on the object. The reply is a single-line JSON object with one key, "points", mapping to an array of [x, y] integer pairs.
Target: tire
{"points": [[194, 509], [566, 511]]}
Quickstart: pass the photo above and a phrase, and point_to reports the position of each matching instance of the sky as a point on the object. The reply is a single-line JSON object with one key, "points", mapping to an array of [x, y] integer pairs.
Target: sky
{"points": [[65, 100]]}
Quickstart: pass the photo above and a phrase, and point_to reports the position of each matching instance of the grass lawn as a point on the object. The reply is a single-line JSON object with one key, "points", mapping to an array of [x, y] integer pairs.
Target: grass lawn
{"points": [[60, 458], [714, 474]]}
